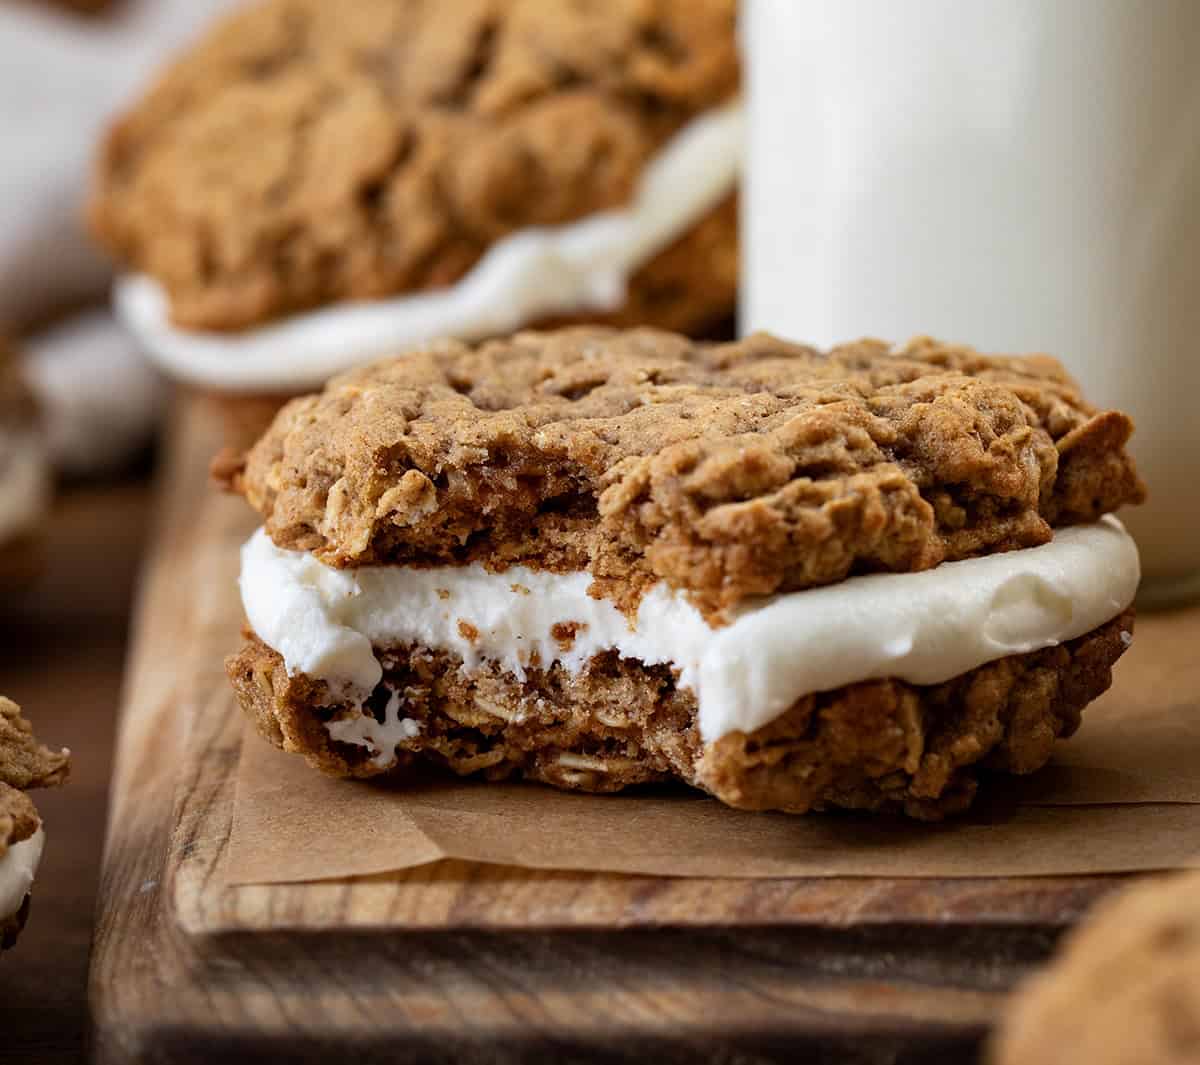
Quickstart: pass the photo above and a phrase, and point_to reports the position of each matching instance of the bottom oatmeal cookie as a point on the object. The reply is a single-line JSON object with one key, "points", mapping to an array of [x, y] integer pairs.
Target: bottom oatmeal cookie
{"points": [[875, 745]]}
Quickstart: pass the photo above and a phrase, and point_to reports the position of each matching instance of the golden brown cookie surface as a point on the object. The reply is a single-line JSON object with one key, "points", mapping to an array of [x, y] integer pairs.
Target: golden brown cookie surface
{"points": [[306, 153], [24, 762], [1124, 990], [729, 471]]}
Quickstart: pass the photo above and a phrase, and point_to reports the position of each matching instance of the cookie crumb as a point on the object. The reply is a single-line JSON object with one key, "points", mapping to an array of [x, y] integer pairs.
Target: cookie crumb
{"points": [[564, 632], [468, 631]]}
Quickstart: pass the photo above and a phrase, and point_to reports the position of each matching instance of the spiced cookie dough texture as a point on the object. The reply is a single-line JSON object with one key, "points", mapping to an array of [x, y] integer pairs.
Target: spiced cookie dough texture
{"points": [[468, 167], [793, 578], [1124, 990], [24, 764]]}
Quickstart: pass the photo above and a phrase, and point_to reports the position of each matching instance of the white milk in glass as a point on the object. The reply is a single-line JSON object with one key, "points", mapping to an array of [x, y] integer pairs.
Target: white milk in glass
{"points": [[1020, 175]]}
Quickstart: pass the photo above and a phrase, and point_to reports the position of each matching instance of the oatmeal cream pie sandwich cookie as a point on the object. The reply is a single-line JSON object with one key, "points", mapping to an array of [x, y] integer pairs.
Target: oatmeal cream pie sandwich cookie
{"points": [[314, 185], [24, 764], [796, 579]]}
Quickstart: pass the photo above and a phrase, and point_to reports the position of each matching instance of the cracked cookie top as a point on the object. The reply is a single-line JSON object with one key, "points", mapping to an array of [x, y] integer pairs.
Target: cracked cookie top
{"points": [[727, 470], [308, 152]]}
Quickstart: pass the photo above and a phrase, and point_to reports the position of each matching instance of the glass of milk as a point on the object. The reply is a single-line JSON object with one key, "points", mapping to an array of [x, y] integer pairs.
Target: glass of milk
{"points": [[1020, 175]]}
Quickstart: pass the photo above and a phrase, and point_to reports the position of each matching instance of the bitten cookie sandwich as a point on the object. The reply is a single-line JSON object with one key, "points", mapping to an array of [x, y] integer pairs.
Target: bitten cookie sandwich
{"points": [[793, 578], [317, 184], [24, 764], [1124, 990], [25, 476]]}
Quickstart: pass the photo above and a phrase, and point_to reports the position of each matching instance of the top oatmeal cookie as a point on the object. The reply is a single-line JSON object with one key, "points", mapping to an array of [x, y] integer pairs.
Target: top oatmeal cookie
{"points": [[308, 152], [727, 470]]}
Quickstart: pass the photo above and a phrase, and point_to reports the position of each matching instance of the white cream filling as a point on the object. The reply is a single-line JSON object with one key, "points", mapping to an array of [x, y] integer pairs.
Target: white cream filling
{"points": [[18, 868], [921, 627], [24, 482], [533, 274]]}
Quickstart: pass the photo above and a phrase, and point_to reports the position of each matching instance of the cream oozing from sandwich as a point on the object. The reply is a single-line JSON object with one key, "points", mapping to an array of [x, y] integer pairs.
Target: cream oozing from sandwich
{"points": [[923, 628], [18, 867], [536, 273]]}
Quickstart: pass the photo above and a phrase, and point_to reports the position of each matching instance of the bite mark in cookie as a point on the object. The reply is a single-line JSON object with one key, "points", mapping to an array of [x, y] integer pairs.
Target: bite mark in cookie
{"points": [[876, 745], [924, 628]]}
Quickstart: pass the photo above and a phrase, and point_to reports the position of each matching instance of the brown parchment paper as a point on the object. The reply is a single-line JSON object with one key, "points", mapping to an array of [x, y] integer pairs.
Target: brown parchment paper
{"points": [[1123, 795]]}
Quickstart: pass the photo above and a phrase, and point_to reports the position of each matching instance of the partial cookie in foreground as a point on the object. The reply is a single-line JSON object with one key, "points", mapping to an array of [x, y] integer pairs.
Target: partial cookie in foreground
{"points": [[313, 184], [24, 764], [1124, 989], [25, 477], [796, 579]]}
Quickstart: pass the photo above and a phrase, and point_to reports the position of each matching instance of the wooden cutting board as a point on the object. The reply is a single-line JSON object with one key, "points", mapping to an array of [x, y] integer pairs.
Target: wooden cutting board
{"points": [[477, 963]]}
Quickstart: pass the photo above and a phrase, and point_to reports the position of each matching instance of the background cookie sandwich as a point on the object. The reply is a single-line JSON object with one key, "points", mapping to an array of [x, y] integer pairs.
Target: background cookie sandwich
{"points": [[315, 184], [24, 764], [25, 476], [596, 558]]}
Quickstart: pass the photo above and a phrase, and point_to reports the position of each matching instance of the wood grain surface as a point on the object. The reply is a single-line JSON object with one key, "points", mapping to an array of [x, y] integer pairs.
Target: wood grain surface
{"points": [[460, 962], [62, 658]]}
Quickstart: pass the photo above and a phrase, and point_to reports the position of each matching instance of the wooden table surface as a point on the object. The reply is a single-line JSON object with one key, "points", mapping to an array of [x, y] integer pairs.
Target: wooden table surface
{"points": [[62, 658], [459, 963]]}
